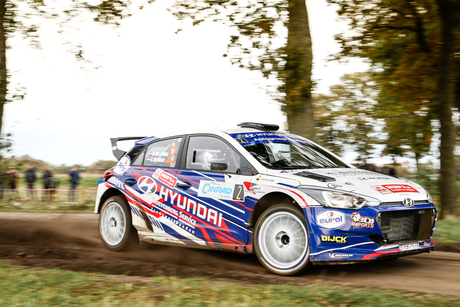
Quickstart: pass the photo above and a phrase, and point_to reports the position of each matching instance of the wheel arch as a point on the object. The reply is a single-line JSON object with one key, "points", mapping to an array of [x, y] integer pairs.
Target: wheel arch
{"points": [[107, 194], [268, 201]]}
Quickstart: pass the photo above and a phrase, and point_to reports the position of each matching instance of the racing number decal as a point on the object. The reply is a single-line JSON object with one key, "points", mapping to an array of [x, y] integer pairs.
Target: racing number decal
{"points": [[171, 159], [238, 193]]}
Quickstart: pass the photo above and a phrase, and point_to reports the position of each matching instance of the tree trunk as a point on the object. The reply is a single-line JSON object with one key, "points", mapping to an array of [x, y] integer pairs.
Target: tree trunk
{"points": [[446, 97], [3, 71], [299, 62]]}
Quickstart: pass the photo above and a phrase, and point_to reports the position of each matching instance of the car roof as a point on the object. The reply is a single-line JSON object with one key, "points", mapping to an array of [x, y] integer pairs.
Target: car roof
{"points": [[221, 132]]}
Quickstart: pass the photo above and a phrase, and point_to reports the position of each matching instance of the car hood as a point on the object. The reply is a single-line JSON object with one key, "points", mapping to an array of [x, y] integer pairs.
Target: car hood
{"points": [[377, 185]]}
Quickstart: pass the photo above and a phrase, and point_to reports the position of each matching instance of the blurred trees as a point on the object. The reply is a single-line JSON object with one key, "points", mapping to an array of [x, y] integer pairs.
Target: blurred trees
{"points": [[100, 166], [411, 46], [258, 43], [345, 118], [357, 116]]}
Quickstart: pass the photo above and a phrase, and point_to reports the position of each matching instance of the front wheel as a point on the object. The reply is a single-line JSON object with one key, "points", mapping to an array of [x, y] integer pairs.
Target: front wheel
{"points": [[115, 225], [281, 240]]}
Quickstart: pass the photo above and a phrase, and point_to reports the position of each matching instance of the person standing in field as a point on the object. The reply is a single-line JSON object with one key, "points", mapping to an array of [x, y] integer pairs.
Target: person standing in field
{"points": [[46, 183], [30, 180], [74, 179], [13, 182]]}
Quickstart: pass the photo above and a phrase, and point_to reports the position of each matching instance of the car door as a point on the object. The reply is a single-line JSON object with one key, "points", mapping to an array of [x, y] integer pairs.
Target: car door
{"points": [[213, 180], [150, 183]]}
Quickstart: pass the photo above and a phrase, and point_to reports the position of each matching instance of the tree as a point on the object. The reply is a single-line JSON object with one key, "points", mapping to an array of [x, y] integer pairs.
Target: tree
{"points": [[257, 27], [345, 117], [411, 46]]}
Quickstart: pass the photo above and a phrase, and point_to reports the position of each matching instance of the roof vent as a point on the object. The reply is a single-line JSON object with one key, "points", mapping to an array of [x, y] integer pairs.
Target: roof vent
{"points": [[259, 126]]}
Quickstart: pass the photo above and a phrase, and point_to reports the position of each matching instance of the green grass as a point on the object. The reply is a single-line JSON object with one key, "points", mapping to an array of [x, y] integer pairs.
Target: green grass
{"points": [[447, 232], [86, 181], [54, 287]]}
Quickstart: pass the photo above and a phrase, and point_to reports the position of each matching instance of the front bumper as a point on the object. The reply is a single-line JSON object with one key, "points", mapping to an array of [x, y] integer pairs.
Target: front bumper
{"points": [[370, 233]]}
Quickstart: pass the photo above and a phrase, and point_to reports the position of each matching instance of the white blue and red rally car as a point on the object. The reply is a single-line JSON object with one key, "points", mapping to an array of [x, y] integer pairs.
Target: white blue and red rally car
{"points": [[257, 190]]}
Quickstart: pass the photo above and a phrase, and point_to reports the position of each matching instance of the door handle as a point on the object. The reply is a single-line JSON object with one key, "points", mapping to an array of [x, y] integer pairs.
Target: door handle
{"points": [[130, 181], [184, 185]]}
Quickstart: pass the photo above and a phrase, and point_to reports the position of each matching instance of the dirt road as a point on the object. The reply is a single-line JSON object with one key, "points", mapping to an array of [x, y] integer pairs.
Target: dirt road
{"points": [[71, 241]]}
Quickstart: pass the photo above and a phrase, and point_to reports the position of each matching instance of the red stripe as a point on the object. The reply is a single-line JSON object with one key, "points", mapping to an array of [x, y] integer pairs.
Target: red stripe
{"points": [[144, 169], [367, 257], [242, 205], [294, 193], [210, 226], [205, 233], [182, 176]]}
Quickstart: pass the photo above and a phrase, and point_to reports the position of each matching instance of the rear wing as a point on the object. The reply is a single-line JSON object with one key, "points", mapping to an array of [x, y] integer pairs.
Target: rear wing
{"points": [[118, 153]]}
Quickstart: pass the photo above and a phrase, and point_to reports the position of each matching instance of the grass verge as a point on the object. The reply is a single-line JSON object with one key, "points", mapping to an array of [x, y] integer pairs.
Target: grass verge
{"points": [[53, 287], [447, 232]]}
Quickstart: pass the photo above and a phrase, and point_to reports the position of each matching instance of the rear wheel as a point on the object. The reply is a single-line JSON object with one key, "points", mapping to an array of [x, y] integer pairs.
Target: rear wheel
{"points": [[115, 225], [281, 240]]}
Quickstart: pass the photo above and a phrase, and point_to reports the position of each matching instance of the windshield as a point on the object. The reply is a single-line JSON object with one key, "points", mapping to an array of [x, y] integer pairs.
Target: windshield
{"points": [[282, 151]]}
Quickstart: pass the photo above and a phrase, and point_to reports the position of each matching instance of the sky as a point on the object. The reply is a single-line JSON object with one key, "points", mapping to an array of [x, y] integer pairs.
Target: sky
{"points": [[148, 81]]}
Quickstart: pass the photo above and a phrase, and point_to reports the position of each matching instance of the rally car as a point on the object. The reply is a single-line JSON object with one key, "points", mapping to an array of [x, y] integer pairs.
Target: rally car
{"points": [[258, 190]]}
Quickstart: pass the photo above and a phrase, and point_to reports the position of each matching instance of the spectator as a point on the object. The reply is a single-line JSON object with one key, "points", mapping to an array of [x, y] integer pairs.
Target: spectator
{"points": [[54, 183], [13, 181], [30, 180], [74, 179], [391, 170], [363, 164], [47, 183]]}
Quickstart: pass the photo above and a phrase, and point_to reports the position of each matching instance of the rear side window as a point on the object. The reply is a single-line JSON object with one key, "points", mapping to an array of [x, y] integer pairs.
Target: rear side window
{"points": [[203, 150], [163, 153]]}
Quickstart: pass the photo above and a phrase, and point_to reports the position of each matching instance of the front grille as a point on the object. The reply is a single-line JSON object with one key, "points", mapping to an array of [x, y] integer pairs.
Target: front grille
{"points": [[399, 203], [406, 225]]}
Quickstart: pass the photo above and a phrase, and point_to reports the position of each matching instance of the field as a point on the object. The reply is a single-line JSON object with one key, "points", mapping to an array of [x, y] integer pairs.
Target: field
{"points": [[54, 287], [21, 286]]}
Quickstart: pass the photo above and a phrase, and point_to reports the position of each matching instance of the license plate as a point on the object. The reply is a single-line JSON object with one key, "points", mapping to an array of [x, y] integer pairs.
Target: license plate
{"points": [[409, 247]]}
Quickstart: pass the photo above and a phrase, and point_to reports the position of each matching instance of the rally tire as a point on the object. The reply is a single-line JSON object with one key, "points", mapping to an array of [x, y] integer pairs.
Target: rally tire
{"points": [[115, 225], [281, 240]]}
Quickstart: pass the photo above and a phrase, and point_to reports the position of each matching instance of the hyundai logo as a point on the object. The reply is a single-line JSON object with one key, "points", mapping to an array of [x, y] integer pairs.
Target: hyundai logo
{"points": [[408, 202]]}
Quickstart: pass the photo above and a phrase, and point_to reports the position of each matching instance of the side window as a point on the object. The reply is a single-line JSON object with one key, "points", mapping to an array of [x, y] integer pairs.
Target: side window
{"points": [[202, 151], [162, 153], [140, 159]]}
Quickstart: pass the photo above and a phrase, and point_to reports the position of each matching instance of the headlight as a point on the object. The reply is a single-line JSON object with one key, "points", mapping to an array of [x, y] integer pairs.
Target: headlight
{"points": [[339, 200], [343, 201], [428, 195]]}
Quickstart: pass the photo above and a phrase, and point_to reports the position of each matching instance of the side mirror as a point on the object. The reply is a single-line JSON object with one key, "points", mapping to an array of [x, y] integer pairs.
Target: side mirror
{"points": [[218, 166]]}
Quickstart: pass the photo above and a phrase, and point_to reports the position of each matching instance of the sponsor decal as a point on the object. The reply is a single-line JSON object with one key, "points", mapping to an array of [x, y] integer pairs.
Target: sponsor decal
{"points": [[254, 188], [221, 190], [400, 188], [409, 247], [334, 239], [373, 178], [122, 165], [330, 219], [289, 171], [363, 175], [165, 178], [147, 185], [361, 221], [340, 255], [116, 182], [381, 189], [168, 199]]}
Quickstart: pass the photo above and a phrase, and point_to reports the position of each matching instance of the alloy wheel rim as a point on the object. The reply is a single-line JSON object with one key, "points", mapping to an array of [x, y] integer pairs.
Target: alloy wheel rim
{"points": [[113, 223], [283, 240]]}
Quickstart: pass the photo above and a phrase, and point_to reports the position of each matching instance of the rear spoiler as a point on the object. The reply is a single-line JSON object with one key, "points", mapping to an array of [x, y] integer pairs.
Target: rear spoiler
{"points": [[118, 153]]}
